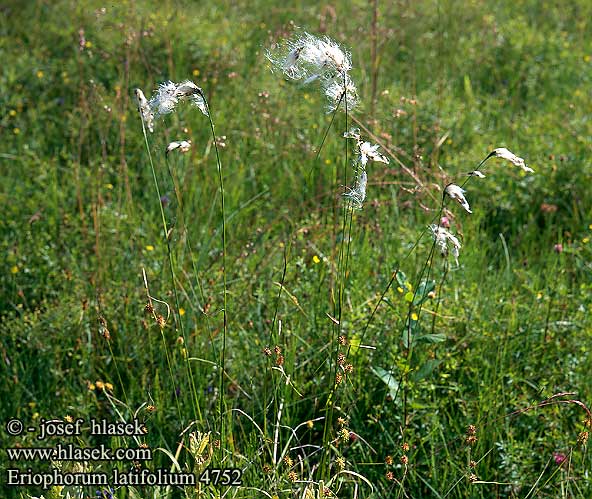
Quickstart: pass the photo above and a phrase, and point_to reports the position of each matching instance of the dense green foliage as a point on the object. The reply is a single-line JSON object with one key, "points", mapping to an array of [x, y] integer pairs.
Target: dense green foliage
{"points": [[505, 331]]}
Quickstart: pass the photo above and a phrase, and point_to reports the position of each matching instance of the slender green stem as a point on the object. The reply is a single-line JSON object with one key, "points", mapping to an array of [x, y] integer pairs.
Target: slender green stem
{"points": [[165, 234], [225, 310], [182, 212], [338, 306], [407, 255], [439, 294], [320, 148]]}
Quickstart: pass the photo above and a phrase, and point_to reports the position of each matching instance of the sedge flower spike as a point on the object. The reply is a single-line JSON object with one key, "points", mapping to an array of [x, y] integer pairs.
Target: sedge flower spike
{"points": [[169, 94], [307, 58], [476, 173], [366, 150], [502, 152], [182, 145], [357, 195], [336, 92], [370, 151], [145, 109], [165, 101], [194, 93], [446, 241], [458, 193]]}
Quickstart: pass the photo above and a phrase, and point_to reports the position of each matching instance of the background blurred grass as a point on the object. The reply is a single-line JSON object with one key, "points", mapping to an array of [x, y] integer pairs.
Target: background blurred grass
{"points": [[455, 80]]}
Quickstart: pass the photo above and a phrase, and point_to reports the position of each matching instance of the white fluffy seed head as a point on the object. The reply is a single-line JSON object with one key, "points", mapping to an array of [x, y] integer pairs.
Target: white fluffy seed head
{"points": [[186, 88], [502, 152], [357, 195], [457, 193], [446, 241], [182, 145], [370, 151], [165, 100], [336, 93], [308, 58], [145, 109], [169, 94]]}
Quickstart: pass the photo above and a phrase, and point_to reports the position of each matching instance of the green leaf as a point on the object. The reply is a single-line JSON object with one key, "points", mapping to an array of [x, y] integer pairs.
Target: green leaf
{"points": [[422, 292], [389, 379], [425, 370], [432, 338], [408, 332]]}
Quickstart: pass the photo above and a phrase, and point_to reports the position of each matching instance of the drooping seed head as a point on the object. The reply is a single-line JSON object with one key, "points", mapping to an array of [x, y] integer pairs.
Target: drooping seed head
{"points": [[458, 193], [145, 109], [182, 145], [502, 152]]}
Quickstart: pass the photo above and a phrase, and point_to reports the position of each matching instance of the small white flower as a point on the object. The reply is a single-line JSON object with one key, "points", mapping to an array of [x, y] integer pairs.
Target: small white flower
{"points": [[476, 173], [503, 153], [370, 151], [446, 241], [145, 110], [357, 195], [183, 145], [458, 193]]}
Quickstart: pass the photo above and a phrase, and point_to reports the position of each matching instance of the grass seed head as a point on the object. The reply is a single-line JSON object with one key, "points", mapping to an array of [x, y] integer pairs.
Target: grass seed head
{"points": [[182, 145], [145, 109], [502, 152], [458, 193]]}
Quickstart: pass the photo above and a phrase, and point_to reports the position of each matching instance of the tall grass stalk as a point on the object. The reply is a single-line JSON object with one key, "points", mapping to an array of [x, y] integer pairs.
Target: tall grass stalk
{"points": [[222, 400], [338, 305], [176, 316]]}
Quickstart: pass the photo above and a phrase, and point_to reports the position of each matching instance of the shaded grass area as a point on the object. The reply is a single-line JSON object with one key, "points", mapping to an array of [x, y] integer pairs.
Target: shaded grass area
{"points": [[455, 81]]}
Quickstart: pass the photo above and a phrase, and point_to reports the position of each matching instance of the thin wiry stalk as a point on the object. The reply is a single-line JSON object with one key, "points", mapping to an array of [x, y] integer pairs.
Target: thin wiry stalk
{"points": [[113, 356], [271, 334], [439, 294], [429, 259], [325, 134], [225, 310], [193, 266], [173, 278], [407, 255], [182, 211], [342, 273]]}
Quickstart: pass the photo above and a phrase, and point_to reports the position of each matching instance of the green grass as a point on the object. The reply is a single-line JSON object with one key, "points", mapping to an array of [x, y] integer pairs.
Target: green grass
{"points": [[81, 221]]}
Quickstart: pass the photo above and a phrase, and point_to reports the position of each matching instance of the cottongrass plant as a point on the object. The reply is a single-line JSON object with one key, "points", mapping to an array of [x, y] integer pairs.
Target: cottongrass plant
{"points": [[444, 223], [165, 101], [448, 244], [307, 59]]}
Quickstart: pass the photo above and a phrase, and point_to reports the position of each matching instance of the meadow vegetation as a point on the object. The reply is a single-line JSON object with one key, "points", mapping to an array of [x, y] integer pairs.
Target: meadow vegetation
{"points": [[324, 351]]}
